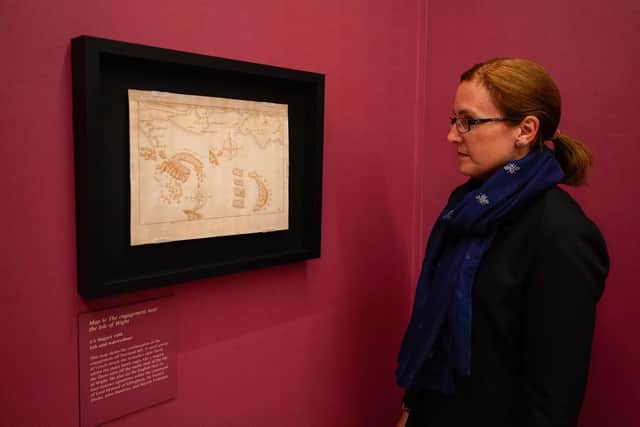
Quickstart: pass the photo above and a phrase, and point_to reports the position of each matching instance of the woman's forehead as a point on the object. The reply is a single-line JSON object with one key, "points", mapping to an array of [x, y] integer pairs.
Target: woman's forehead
{"points": [[474, 99]]}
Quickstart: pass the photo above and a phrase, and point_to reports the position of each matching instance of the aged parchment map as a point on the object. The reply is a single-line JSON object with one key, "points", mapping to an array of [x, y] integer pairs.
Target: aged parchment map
{"points": [[205, 167]]}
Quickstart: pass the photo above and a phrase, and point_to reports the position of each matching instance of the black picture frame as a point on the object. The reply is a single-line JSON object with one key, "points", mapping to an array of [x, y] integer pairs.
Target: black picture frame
{"points": [[103, 71]]}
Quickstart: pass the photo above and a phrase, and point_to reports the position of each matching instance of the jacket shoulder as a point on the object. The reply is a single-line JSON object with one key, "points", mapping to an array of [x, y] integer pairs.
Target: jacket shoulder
{"points": [[565, 232], [560, 213]]}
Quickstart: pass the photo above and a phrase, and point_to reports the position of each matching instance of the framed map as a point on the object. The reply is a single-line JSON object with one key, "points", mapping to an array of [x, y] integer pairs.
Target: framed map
{"points": [[190, 165], [206, 167]]}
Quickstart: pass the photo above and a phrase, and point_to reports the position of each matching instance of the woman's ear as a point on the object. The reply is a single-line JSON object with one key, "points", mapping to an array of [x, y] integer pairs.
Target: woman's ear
{"points": [[528, 129]]}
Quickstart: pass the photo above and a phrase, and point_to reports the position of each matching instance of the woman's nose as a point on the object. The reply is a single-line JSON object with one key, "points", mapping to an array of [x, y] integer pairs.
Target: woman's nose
{"points": [[453, 136]]}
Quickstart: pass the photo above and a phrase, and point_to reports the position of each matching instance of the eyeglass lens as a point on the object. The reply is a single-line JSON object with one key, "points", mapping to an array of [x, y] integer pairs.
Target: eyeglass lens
{"points": [[462, 124]]}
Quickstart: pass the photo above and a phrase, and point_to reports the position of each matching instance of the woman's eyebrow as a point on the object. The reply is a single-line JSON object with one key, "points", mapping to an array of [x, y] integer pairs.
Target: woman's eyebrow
{"points": [[462, 112]]}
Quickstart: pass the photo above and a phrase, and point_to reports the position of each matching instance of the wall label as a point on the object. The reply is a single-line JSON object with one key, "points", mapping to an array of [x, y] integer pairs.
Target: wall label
{"points": [[127, 359]]}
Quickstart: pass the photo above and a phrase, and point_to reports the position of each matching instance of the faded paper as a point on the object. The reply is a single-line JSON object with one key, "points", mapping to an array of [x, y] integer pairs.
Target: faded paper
{"points": [[205, 167]]}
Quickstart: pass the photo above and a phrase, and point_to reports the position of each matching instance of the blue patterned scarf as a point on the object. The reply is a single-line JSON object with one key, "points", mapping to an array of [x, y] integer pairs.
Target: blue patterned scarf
{"points": [[437, 344]]}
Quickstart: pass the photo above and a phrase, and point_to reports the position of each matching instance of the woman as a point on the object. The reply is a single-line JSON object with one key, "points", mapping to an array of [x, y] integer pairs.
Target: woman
{"points": [[503, 317]]}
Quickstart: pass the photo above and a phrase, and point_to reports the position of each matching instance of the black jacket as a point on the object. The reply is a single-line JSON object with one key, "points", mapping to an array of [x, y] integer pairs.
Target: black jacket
{"points": [[534, 304]]}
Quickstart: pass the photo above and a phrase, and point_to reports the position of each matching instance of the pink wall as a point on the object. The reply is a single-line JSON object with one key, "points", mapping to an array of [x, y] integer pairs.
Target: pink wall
{"points": [[308, 344], [590, 47]]}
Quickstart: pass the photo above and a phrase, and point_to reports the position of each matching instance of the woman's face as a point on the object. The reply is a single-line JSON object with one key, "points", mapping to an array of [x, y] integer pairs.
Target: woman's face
{"points": [[487, 146]]}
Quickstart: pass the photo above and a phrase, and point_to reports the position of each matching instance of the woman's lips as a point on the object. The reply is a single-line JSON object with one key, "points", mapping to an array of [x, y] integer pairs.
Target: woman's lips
{"points": [[463, 155]]}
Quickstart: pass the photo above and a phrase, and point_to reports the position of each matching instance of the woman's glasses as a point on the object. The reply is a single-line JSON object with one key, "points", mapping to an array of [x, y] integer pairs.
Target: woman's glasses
{"points": [[464, 124]]}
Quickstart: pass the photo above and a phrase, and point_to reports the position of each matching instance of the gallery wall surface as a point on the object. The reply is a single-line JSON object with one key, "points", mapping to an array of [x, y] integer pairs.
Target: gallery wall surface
{"points": [[311, 343], [589, 48]]}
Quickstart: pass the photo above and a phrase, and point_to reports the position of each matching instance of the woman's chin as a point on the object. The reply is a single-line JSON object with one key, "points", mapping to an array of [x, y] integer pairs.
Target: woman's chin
{"points": [[465, 169]]}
